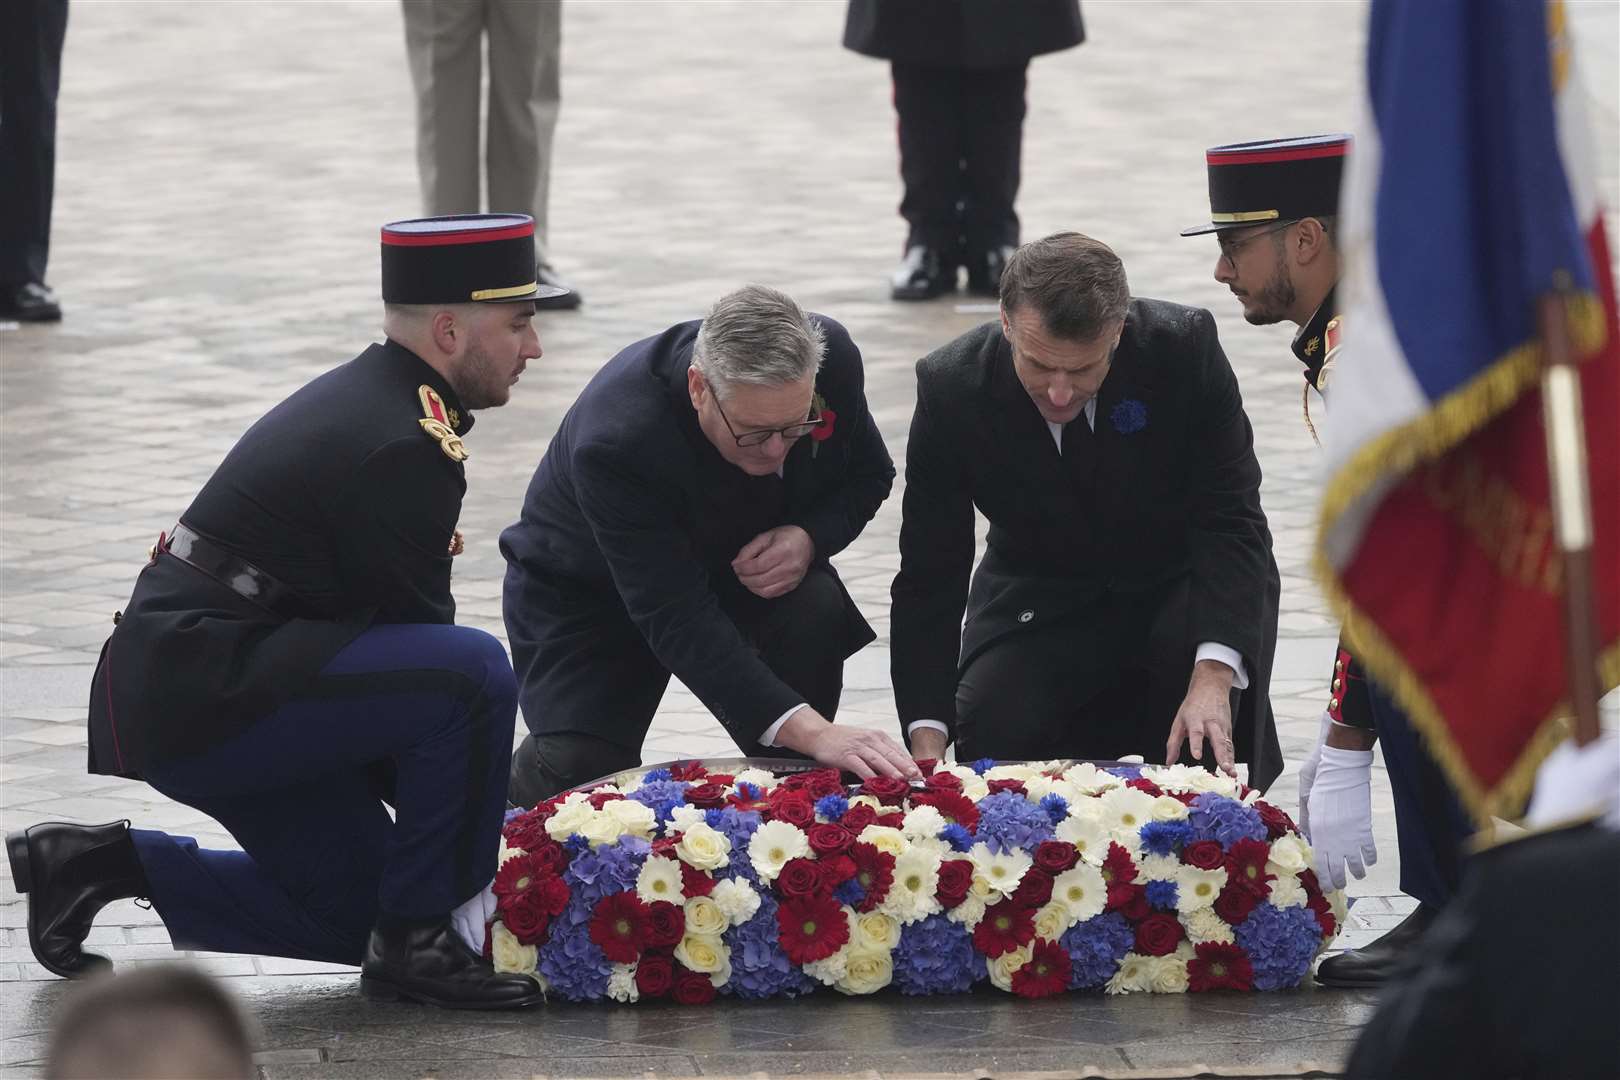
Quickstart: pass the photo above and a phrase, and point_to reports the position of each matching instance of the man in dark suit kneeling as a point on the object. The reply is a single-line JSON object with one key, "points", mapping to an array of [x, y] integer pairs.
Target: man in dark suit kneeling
{"points": [[681, 522], [1127, 599]]}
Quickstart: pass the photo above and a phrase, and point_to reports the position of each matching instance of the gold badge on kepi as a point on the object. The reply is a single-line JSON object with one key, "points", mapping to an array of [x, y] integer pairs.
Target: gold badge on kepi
{"points": [[436, 422]]}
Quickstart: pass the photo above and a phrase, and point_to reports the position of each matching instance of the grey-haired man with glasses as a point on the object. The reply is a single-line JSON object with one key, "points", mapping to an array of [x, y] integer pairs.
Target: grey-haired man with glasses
{"points": [[681, 523]]}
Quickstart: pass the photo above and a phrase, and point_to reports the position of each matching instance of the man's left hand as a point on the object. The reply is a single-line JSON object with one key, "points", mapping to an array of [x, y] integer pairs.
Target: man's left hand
{"points": [[1205, 713], [773, 563]]}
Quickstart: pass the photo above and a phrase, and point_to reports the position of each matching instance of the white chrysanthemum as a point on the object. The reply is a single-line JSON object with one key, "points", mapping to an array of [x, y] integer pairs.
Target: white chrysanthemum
{"points": [[773, 845], [736, 899], [601, 828], [1002, 871], [866, 971], [1167, 809], [1290, 854], [569, 818], [1134, 974], [660, 879], [702, 952], [1168, 974], [1088, 836], [1125, 811], [1052, 918], [1082, 890], [887, 840], [1287, 892], [621, 985], [637, 819], [1202, 924], [705, 917], [758, 777], [507, 954], [969, 912], [875, 930], [829, 969], [684, 817], [923, 823], [933, 845], [911, 897], [1197, 888], [703, 848], [1158, 868], [1087, 779], [1005, 966]]}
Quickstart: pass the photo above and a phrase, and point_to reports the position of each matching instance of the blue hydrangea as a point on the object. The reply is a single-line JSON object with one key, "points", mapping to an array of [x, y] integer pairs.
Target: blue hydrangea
{"points": [[609, 869], [575, 844], [570, 961], [1165, 837], [1095, 948], [983, 765], [655, 775], [1056, 807], [832, 807], [661, 796], [512, 813], [1215, 817], [957, 836], [1008, 821], [738, 826], [1125, 772], [759, 967], [936, 956], [1162, 895], [1281, 943]]}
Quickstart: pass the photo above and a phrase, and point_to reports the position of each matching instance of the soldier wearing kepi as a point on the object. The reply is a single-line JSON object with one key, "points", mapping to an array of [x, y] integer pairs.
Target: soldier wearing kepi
{"points": [[289, 660], [1272, 209]]}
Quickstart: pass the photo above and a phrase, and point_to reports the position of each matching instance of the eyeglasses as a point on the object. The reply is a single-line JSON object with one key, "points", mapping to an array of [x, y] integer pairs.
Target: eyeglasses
{"points": [[763, 435], [1230, 249]]}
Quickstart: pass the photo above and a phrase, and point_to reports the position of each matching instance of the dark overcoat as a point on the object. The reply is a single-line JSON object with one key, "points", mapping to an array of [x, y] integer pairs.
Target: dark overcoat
{"points": [[962, 33], [1176, 495]]}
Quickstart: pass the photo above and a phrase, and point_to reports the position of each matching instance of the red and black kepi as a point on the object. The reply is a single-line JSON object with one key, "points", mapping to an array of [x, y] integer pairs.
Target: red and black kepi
{"points": [[461, 259], [1252, 183]]}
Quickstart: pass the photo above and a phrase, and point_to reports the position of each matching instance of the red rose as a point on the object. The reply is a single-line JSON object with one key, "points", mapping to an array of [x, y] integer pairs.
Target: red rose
{"points": [[526, 831], [955, 881], [827, 839], [1143, 784], [953, 804], [690, 771], [695, 882], [619, 927], [1276, 821], [943, 781], [888, 790], [599, 799], [1006, 926], [693, 988], [1055, 856], [723, 779], [666, 925], [858, 817], [1204, 854], [926, 765], [1007, 785], [1134, 903], [1045, 973], [1158, 935], [1219, 967], [706, 796], [795, 810], [800, 877], [821, 782], [526, 923], [836, 869], [655, 974], [1034, 889], [550, 895], [1235, 903], [824, 426], [891, 821], [811, 928]]}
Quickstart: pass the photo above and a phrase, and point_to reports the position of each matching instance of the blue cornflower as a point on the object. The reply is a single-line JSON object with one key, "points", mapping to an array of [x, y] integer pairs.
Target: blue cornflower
{"points": [[1281, 943], [1165, 837], [748, 791], [1129, 416], [983, 765], [1008, 821], [936, 956], [832, 807], [1056, 807], [759, 967], [850, 892], [957, 836], [1215, 817], [654, 775], [1163, 895], [1095, 947]]}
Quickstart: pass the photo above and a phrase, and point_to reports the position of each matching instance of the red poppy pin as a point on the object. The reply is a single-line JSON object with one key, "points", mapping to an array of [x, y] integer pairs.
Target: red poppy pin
{"points": [[824, 427]]}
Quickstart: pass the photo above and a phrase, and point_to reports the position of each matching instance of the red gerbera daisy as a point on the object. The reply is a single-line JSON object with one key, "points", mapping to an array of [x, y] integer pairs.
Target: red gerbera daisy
{"points": [[1118, 871], [516, 876], [811, 928], [997, 786], [619, 927], [1045, 973], [874, 870], [1219, 967], [1246, 867], [1005, 927], [953, 804], [526, 831]]}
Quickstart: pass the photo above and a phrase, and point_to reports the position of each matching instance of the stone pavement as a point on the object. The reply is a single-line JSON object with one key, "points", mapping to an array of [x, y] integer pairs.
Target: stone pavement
{"points": [[222, 172]]}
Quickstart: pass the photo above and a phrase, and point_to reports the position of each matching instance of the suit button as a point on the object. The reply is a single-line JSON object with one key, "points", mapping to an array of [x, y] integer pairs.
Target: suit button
{"points": [[1026, 615]]}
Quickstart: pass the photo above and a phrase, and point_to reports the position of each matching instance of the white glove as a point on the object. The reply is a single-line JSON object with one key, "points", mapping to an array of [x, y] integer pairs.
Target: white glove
{"points": [[1576, 781], [471, 919], [1341, 814], [1307, 775]]}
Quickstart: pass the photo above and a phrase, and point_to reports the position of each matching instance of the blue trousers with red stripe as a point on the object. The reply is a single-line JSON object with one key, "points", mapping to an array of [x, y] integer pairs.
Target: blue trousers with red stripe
{"points": [[424, 710]]}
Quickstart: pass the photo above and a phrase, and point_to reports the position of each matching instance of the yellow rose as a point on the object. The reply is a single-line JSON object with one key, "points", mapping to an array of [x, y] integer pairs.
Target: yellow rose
{"points": [[701, 952], [875, 930], [508, 955], [704, 917], [702, 848], [868, 971]]}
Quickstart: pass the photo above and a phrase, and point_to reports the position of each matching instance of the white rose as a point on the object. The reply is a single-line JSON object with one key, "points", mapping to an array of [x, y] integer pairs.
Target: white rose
{"points": [[736, 899], [701, 952], [774, 845], [683, 818], [866, 971], [1005, 966], [1289, 855], [702, 848], [637, 819], [1167, 809], [1168, 974], [885, 839], [704, 917], [1051, 920], [508, 954], [569, 819], [875, 930], [601, 828]]}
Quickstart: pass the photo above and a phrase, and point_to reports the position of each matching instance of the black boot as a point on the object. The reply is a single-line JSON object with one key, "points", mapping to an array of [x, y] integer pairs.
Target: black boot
{"points": [[984, 270], [924, 274], [429, 962], [1375, 964], [70, 872]]}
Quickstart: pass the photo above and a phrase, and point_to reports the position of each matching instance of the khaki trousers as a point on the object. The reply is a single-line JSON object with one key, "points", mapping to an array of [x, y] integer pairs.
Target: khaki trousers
{"points": [[444, 41]]}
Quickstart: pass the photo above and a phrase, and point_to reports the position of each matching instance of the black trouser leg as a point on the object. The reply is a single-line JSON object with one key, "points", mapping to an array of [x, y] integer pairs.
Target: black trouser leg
{"points": [[31, 36], [927, 101], [992, 143], [801, 638]]}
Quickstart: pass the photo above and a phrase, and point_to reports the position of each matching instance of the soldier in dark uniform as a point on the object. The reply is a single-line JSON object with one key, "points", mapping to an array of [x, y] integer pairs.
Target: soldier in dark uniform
{"points": [[1272, 208], [289, 661], [959, 74]]}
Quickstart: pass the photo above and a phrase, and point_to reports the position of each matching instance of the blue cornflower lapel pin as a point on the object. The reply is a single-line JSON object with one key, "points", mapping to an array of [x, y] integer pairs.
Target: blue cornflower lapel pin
{"points": [[1128, 416]]}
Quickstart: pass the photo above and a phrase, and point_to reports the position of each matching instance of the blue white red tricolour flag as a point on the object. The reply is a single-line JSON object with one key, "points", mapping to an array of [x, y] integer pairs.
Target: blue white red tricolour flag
{"points": [[1468, 196]]}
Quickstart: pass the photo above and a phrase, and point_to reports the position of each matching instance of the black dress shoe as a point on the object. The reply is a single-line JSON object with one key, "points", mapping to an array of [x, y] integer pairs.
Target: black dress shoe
{"points": [[30, 302], [568, 301], [1376, 964], [429, 962], [984, 270], [70, 872], [922, 275]]}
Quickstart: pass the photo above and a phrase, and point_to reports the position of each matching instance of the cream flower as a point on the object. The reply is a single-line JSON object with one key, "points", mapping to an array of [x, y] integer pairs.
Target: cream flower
{"points": [[911, 897], [508, 955], [1168, 974], [702, 952], [1289, 855], [736, 899], [1052, 919], [885, 839], [1082, 890], [1287, 892], [601, 828], [1197, 888], [923, 822], [1021, 773], [875, 930], [622, 983], [1002, 871], [569, 818], [1087, 835], [773, 845], [969, 912], [705, 917], [660, 879], [683, 818], [1202, 924], [1003, 967], [867, 800], [1133, 974], [637, 819], [1167, 809], [1157, 868], [702, 848], [866, 971]]}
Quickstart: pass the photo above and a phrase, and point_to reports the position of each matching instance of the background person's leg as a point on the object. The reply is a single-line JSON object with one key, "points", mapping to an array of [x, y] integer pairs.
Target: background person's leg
{"points": [[524, 94], [31, 37], [444, 44], [992, 149]]}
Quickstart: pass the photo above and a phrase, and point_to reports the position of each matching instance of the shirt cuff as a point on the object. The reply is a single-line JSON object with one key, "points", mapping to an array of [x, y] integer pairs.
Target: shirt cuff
{"points": [[769, 737], [1214, 650], [929, 725]]}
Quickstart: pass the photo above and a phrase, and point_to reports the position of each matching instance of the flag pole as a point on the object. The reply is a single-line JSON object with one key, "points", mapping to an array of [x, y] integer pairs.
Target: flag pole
{"points": [[1571, 506]]}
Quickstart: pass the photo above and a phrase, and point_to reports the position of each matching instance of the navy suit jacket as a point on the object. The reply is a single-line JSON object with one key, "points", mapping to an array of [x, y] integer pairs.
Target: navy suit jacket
{"points": [[632, 514]]}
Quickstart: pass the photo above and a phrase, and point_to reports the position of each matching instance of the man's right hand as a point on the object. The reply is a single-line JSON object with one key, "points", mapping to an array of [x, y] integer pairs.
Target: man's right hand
{"points": [[862, 752], [1341, 815]]}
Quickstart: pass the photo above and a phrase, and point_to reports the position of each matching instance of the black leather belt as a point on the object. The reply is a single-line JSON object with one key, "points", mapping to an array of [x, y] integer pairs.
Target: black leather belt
{"points": [[229, 569]]}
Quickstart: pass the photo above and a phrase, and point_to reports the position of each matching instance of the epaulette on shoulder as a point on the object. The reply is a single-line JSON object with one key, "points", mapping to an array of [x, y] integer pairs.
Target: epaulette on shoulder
{"points": [[436, 421]]}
